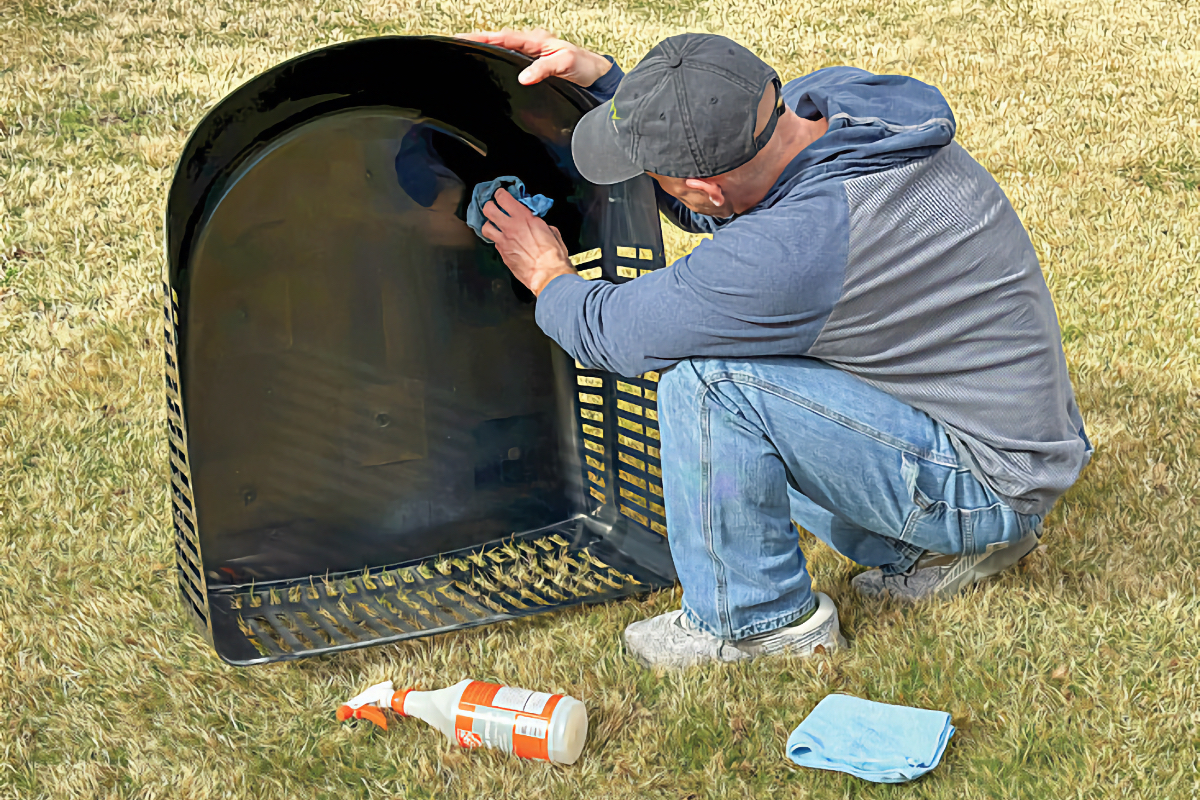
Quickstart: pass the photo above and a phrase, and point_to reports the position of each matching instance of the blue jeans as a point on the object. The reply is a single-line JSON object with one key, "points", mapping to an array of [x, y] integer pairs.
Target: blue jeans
{"points": [[753, 445]]}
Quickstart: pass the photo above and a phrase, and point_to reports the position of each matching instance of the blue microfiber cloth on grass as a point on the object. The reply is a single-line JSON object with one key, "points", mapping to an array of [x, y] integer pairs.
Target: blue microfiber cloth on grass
{"points": [[874, 741], [538, 204]]}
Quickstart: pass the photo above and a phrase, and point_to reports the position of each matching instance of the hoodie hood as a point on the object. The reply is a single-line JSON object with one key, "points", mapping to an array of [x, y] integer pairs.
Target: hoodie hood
{"points": [[876, 122]]}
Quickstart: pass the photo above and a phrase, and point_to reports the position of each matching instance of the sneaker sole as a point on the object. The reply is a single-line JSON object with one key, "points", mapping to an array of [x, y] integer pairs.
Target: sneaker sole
{"points": [[988, 565], [826, 616]]}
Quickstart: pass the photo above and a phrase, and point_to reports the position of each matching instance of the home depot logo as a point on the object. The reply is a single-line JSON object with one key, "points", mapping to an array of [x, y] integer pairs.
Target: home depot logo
{"points": [[468, 738]]}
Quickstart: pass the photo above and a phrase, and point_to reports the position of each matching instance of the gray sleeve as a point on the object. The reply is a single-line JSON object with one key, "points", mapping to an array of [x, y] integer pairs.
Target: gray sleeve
{"points": [[764, 286]]}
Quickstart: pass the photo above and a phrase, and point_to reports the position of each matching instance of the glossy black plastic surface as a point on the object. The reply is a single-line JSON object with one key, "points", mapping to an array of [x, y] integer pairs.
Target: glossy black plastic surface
{"points": [[355, 379]]}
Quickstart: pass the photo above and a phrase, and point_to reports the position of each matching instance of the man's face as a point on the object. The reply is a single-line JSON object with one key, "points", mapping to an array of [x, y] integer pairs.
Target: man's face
{"points": [[697, 200]]}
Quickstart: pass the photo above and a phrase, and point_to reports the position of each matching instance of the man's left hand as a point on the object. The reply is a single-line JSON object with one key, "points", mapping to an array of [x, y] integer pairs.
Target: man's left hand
{"points": [[533, 250]]}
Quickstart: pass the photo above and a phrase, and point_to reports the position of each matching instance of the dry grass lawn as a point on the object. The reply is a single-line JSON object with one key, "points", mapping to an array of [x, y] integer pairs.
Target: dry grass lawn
{"points": [[1074, 676]]}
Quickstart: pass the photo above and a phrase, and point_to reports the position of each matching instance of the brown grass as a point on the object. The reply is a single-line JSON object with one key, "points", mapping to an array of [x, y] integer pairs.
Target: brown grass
{"points": [[1074, 676]]}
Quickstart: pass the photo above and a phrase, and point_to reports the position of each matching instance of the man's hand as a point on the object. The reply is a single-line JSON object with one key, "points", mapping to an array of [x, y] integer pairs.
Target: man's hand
{"points": [[555, 57], [533, 250]]}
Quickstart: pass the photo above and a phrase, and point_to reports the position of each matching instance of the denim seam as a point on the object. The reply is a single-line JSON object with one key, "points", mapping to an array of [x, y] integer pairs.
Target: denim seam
{"points": [[909, 553], [833, 416], [968, 527], [777, 622], [721, 598], [1000, 505], [702, 393], [763, 626], [695, 619], [917, 514]]}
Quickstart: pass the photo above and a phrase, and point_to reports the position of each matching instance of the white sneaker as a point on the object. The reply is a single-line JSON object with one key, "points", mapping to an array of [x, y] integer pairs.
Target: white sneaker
{"points": [[670, 640]]}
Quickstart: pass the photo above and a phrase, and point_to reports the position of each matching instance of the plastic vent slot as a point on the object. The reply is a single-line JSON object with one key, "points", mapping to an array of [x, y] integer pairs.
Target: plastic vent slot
{"points": [[187, 542]]}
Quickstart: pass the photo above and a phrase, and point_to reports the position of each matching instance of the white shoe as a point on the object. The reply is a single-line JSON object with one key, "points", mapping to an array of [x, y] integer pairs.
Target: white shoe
{"points": [[670, 640]]}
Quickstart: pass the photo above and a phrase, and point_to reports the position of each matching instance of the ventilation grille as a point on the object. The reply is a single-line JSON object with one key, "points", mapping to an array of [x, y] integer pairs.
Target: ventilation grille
{"points": [[618, 418], [523, 576], [187, 542]]}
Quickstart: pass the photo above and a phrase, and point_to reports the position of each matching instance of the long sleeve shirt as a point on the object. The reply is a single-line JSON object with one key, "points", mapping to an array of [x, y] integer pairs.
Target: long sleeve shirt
{"points": [[884, 249]]}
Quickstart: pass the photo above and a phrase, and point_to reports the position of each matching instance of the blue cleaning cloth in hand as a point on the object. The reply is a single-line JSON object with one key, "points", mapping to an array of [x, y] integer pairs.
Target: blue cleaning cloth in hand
{"points": [[874, 741], [538, 204]]}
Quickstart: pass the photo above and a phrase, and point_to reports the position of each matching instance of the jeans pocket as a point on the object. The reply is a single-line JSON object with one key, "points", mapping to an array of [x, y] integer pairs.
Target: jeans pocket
{"points": [[927, 514], [965, 519], [910, 470]]}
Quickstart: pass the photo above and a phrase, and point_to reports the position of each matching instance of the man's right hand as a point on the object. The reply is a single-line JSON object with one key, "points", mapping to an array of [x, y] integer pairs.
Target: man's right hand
{"points": [[555, 57]]}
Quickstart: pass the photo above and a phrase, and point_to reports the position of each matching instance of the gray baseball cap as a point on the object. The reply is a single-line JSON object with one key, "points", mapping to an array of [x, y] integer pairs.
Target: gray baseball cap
{"points": [[687, 110]]}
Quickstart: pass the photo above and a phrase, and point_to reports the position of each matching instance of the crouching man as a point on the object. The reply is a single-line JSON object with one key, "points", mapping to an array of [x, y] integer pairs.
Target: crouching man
{"points": [[866, 346]]}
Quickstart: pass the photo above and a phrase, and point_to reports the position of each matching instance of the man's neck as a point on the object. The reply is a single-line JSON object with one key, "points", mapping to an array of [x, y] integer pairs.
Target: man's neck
{"points": [[793, 134], [799, 133], [814, 129]]}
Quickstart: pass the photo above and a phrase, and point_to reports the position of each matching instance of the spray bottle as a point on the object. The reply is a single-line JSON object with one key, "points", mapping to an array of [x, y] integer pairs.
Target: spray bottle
{"points": [[551, 727]]}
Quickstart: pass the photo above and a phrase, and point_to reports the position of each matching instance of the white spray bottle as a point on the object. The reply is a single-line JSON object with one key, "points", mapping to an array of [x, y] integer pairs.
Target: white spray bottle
{"points": [[551, 727]]}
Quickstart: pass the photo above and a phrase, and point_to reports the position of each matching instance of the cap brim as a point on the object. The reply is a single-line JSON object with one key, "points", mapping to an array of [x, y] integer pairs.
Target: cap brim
{"points": [[597, 155]]}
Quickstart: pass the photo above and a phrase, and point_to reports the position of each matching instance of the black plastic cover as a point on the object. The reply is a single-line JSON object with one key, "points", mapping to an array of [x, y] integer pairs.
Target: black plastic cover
{"points": [[355, 380]]}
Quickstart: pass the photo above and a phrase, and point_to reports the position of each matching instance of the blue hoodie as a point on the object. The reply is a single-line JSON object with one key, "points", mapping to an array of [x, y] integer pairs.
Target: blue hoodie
{"points": [[883, 249]]}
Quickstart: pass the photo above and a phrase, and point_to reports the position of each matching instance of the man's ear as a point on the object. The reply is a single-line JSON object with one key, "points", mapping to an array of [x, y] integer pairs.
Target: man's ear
{"points": [[716, 194]]}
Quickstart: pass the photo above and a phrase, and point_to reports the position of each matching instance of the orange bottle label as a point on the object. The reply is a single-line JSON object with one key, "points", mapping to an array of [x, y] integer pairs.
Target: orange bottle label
{"points": [[506, 718]]}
